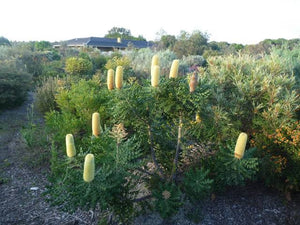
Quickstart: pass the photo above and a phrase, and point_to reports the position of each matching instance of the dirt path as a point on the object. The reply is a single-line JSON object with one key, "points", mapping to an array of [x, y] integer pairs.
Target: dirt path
{"points": [[21, 188]]}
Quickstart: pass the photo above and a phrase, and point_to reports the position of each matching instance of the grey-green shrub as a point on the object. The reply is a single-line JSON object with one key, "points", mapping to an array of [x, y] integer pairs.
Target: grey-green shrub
{"points": [[45, 94], [141, 61]]}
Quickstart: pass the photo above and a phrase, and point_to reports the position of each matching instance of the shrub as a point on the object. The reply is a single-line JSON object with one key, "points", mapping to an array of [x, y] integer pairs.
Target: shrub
{"points": [[78, 66], [279, 151], [168, 199], [141, 61], [53, 69], [196, 184], [231, 171], [45, 94], [110, 184], [175, 139], [76, 102], [14, 85], [257, 96], [191, 63]]}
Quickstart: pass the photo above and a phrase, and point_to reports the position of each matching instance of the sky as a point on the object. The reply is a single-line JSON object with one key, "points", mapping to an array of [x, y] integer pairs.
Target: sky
{"points": [[233, 21]]}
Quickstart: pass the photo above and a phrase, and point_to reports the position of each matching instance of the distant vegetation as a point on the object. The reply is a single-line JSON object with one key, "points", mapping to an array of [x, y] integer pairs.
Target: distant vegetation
{"points": [[163, 134], [123, 33]]}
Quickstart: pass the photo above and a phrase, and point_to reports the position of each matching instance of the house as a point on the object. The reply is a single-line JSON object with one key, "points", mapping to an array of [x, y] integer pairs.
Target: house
{"points": [[104, 44]]}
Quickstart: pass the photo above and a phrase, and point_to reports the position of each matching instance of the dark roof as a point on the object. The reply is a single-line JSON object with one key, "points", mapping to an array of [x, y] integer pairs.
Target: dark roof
{"points": [[107, 42]]}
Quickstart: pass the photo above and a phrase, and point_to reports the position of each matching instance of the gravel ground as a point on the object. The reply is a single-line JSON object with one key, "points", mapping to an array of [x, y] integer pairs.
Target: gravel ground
{"points": [[22, 202]]}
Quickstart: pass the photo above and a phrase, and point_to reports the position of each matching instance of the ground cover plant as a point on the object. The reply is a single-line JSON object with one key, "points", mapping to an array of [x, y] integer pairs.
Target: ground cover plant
{"points": [[168, 138]]}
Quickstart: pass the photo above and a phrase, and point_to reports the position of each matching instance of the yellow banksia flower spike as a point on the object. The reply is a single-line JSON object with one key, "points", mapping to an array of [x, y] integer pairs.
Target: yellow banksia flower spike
{"points": [[174, 69], [70, 146], [240, 145], [89, 168], [155, 75], [119, 77], [110, 79], [96, 124], [193, 83], [198, 119], [155, 61]]}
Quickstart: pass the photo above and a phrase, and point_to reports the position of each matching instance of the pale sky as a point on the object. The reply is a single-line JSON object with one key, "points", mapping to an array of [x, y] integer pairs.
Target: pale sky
{"points": [[233, 21]]}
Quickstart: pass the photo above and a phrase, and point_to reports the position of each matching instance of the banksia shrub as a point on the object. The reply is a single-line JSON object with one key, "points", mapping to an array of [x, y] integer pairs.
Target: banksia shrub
{"points": [[155, 61], [70, 146], [96, 124], [155, 75], [193, 83], [89, 168], [119, 77], [240, 145], [174, 69], [110, 79]]}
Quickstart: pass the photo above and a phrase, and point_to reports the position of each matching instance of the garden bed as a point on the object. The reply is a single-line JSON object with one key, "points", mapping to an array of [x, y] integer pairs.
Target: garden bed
{"points": [[22, 186]]}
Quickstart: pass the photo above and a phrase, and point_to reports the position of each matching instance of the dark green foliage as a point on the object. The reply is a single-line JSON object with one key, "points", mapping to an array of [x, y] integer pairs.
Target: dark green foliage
{"points": [[168, 199], [14, 85], [99, 62], [120, 32], [196, 184], [112, 186], [230, 171], [4, 41], [281, 171], [190, 44], [167, 42], [157, 110], [42, 45]]}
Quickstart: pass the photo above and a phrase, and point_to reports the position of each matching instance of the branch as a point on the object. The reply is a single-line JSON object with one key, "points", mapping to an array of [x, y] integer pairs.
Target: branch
{"points": [[175, 162], [142, 198], [153, 152], [145, 171]]}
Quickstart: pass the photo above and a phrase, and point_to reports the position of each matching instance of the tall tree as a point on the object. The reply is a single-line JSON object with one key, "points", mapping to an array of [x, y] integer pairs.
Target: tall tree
{"points": [[167, 42], [4, 41], [42, 45], [191, 44], [123, 33]]}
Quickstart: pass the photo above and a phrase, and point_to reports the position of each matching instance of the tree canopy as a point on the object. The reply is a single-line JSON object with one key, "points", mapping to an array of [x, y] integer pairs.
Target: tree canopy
{"points": [[4, 41], [121, 32]]}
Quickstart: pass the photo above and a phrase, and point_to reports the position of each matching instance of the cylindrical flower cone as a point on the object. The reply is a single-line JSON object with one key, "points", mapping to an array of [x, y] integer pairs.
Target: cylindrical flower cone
{"points": [[240, 145], [89, 168], [70, 146], [193, 83], [155, 75], [119, 77], [155, 61], [174, 69], [110, 79], [96, 124]]}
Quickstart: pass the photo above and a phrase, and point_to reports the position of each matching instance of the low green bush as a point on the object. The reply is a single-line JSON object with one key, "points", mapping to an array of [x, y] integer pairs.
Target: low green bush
{"points": [[14, 85]]}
